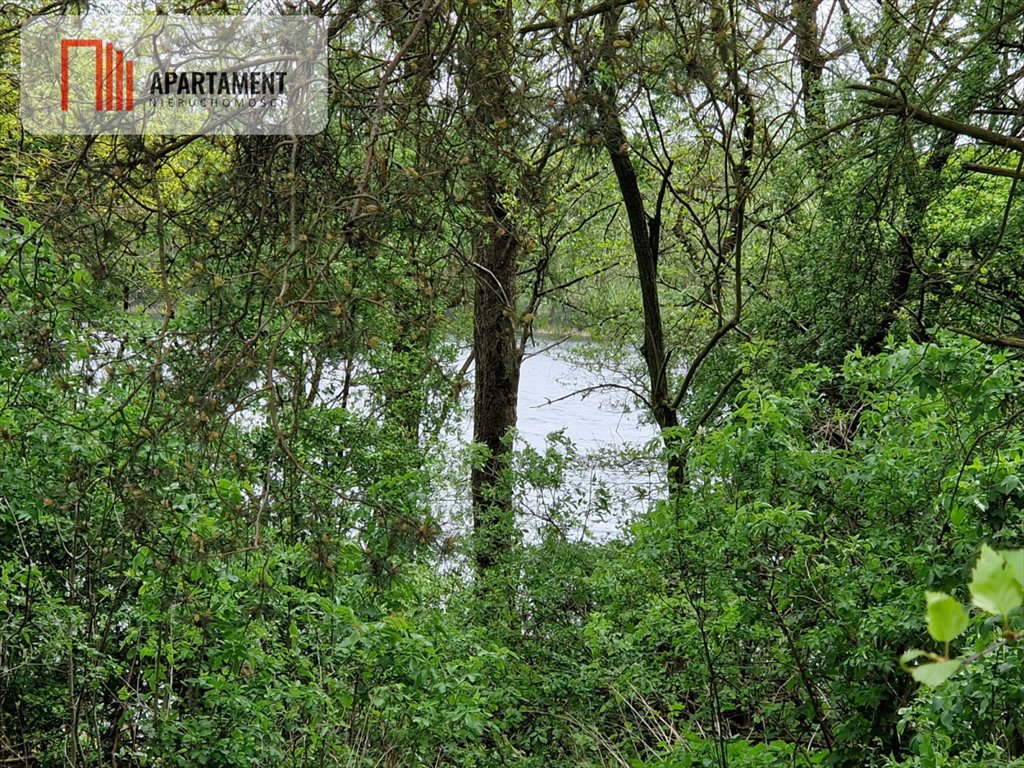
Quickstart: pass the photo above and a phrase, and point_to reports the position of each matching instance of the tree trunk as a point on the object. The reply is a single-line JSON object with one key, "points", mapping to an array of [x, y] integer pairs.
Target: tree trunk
{"points": [[496, 397], [644, 231], [812, 65], [495, 261]]}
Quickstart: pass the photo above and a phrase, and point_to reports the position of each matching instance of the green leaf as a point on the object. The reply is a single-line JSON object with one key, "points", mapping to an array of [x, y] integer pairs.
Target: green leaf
{"points": [[909, 656], [1015, 559], [994, 586], [1009, 484], [935, 674], [945, 616]]}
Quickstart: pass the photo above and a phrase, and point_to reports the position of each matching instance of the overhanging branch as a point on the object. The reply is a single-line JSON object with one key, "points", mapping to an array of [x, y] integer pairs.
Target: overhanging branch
{"points": [[992, 170], [593, 10], [999, 340], [896, 106]]}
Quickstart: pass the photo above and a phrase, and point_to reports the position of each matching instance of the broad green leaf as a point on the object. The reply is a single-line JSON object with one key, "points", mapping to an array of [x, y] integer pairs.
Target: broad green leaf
{"points": [[1015, 559], [945, 616], [994, 586], [909, 656], [936, 673], [1009, 484]]}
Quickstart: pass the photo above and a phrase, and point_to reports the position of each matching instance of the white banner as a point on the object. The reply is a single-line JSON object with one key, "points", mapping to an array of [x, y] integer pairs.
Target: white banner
{"points": [[174, 75]]}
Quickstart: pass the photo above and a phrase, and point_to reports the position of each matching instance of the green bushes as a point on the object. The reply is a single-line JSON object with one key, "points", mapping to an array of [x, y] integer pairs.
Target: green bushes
{"points": [[178, 589], [183, 584], [773, 601]]}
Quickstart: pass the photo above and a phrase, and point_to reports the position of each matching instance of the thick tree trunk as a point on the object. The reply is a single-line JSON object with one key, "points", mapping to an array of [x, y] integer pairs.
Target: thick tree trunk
{"points": [[496, 396], [495, 262]]}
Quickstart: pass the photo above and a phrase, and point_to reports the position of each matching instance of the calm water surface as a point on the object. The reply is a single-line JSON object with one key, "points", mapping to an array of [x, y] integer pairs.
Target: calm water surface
{"points": [[601, 489]]}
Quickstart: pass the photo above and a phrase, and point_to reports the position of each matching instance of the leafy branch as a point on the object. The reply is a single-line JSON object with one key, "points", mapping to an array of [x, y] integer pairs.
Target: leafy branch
{"points": [[997, 588]]}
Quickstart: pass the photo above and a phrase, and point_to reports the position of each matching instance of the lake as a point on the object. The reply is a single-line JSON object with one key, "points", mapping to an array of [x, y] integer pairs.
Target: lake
{"points": [[611, 474]]}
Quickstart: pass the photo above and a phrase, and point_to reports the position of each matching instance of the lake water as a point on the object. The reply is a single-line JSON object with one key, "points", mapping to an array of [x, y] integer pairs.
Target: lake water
{"points": [[610, 471], [611, 474]]}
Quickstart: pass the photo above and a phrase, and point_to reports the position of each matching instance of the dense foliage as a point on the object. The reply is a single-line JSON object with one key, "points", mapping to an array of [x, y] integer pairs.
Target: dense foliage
{"points": [[236, 529]]}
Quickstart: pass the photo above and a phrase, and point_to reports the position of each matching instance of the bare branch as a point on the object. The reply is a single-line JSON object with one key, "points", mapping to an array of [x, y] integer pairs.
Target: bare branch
{"points": [[992, 170], [999, 340], [593, 10], [896, 106]]}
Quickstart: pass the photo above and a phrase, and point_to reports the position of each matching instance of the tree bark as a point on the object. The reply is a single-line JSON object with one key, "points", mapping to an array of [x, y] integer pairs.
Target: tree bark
{"points": [[644, 231], [812, 65], [497, 391], [495, 260]]}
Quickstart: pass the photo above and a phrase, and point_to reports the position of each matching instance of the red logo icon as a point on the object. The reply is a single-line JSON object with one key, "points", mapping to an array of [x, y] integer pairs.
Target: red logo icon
{"points": [[114, 75]]}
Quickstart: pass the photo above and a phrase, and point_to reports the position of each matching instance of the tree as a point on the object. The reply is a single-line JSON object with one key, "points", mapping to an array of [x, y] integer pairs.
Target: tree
{"points": [[711, 90], [496, 249]]}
